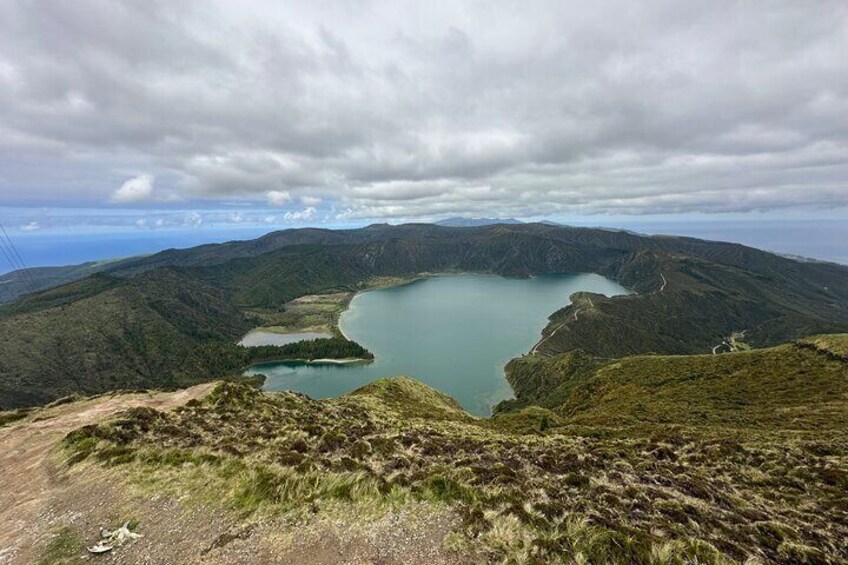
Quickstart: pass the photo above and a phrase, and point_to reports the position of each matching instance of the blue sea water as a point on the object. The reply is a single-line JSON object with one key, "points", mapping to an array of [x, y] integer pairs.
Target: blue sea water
{"points": [[826, 240], [49, 249]]}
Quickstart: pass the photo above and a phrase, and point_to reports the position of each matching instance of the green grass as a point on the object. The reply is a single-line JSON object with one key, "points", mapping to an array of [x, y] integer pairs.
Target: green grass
{"points": [[11, 416], [65, 548], [836, 345], [786, 387], [411, 398]]}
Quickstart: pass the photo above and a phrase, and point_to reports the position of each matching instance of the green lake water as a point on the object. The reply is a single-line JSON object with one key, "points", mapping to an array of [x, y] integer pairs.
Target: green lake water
{"points": [[453, 332]]}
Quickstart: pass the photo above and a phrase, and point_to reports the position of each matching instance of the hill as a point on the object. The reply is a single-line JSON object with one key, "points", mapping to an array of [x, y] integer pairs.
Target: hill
{"points": [[691, 459], [160, 329], [689, 295], [17, 283], [795, 386]]}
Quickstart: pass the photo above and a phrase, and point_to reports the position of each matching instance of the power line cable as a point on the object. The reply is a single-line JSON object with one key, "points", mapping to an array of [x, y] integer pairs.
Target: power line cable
{"points": [[6, 254], [10, 257], [8, 290], [4, 238], [16, 255]]}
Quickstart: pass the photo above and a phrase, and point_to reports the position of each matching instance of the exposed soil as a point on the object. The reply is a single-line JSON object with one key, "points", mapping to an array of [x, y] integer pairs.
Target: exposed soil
{"points": [[42, 500], [29, 481]]}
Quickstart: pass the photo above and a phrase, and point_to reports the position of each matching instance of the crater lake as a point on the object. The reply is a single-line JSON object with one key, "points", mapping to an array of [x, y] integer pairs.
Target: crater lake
{"points": [[452, 332]]}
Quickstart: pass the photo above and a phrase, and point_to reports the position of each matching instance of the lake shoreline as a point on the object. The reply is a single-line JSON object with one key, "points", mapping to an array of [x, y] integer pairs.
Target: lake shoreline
{"points": [[260, 337], [321, 361], [377, 283], [330, 306], [454, 332]]}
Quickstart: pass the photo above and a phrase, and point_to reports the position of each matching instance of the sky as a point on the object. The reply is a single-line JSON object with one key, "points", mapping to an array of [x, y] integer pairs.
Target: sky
{"points": [[145, 115]]}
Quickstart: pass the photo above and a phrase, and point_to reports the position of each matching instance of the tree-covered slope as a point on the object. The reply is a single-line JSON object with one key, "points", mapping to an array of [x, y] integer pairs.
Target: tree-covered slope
{"points": [[18, 283], [159, 330], [688, 304], [104, 333]]}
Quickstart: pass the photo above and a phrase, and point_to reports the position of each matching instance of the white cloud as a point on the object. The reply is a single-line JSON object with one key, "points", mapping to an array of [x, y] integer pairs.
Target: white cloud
{"points": [[278, 197], [310, 200], [193, 220], [300, 215], [408, 109], [138, 189], [31, 226]]}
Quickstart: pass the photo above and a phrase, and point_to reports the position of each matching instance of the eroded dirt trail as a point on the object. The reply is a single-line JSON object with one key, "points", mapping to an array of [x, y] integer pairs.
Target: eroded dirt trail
{"points": [[39, 499], [26, 475]]}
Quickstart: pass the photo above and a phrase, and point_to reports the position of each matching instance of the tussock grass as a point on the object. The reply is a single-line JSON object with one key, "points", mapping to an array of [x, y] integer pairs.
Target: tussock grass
{"points": [[10, 416], [687, 492]]}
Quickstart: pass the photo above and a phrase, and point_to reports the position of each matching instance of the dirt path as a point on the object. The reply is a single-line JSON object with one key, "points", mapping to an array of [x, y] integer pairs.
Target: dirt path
{"points": [[25, 446], [559, 327], [715, 349], [39, 500]]}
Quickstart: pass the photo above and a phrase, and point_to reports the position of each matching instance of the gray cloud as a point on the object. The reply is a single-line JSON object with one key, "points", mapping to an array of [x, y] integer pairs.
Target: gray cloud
{"points": [[394, 109]]}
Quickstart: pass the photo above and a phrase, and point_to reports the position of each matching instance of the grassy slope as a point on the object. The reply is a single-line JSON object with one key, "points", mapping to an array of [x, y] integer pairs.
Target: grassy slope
{"points": [[791, 386], [646, 460]]}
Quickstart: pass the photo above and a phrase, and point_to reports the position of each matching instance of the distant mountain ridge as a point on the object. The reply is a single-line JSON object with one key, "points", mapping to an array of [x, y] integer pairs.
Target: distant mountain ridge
{"points": [[460, 222]]}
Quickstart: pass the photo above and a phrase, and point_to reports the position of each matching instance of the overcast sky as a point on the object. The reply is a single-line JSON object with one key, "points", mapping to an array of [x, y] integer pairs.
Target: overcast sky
{"points": [[333, 111]]}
